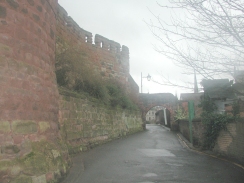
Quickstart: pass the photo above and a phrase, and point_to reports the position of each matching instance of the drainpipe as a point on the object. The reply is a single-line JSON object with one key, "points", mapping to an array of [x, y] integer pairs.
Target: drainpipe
{"points": [[165, 116]]}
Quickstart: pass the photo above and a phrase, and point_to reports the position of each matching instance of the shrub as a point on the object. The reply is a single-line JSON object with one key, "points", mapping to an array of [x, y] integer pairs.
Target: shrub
{"points": [[74, 72], [180, 114]]}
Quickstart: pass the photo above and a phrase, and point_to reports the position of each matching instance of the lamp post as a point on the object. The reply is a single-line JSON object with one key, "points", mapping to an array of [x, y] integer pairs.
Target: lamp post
{"points": [[148, 78]]}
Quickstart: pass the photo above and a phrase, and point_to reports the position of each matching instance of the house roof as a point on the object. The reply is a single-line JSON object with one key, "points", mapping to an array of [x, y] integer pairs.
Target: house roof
{"points": [[191, 96], [218, 88]]}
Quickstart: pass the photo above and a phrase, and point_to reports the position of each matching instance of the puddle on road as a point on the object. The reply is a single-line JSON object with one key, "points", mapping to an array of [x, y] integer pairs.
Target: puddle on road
{"points": [[156, 152], [150, 175], [170, 164]]}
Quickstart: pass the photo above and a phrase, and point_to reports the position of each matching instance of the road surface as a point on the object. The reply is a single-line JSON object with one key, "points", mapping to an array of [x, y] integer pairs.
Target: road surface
{"points": [[153, 156]]}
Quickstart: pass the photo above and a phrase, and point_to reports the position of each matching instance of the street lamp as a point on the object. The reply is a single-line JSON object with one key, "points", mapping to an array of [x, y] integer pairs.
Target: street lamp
{"points": [[148, 78]]}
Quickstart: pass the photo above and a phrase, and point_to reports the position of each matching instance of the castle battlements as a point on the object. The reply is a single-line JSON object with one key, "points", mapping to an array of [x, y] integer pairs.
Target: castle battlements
{"points": [[67, 22]]}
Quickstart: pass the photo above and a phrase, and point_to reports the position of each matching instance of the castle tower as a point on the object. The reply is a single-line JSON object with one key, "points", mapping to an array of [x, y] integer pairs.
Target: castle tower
{"points": [[28, 92]]}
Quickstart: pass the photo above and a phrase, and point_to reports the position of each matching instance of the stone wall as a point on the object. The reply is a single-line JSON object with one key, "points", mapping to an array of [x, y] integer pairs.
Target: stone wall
{"points": [[85, 123], [231, 142]]}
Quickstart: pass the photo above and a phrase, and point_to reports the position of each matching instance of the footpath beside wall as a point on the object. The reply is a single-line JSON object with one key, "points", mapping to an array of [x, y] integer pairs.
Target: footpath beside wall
{"points": [[86, 123]]}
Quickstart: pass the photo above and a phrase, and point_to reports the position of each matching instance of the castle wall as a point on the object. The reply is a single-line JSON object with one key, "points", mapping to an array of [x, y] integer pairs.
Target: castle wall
{"points": [[34, 140]]}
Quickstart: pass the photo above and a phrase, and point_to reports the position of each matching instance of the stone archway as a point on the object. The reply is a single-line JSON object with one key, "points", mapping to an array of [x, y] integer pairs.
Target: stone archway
{"points": [[167, 100]]}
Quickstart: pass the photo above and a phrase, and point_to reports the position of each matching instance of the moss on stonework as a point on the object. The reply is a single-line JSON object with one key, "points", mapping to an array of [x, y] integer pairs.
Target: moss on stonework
{"points": [[44, 126], [4, 47], [4, 166], [4, 127], [24, 127], [45, 157], [22, 179], [12, 149]]}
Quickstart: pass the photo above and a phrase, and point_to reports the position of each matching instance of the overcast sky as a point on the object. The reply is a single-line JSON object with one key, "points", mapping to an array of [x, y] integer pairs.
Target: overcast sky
{"points": [[124, 22]]}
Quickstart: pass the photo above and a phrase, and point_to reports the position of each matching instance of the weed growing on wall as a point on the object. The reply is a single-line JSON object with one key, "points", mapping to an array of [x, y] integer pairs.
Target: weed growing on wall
{"points": [[213, 121], [180, 114]]}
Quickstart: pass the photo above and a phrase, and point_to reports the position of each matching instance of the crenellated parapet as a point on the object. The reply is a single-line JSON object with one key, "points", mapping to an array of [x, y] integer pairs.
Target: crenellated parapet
{"points": [[107, 44], [68, 23], [125, 52]]}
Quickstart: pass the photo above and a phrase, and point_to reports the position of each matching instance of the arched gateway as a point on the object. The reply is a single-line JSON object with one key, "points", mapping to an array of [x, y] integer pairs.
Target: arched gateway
{"points": [[167, 100]]}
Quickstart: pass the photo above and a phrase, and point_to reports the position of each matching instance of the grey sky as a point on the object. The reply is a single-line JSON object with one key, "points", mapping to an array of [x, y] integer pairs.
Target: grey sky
{"points": [[124, 22]]}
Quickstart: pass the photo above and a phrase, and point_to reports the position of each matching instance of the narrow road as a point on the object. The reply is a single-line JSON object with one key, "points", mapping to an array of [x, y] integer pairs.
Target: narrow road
{"points": [[152, 156]]}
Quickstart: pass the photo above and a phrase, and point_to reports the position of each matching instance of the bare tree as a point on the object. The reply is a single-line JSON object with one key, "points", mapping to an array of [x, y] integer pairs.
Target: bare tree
{"points": [[203, 35]]}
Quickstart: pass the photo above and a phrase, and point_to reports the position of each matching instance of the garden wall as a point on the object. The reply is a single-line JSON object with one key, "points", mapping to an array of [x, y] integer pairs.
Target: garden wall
{"points": [[231, 142]]}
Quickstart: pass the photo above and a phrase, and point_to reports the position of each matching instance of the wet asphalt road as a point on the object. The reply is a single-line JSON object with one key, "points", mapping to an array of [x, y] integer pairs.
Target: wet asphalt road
{"points": [[153, 156]]}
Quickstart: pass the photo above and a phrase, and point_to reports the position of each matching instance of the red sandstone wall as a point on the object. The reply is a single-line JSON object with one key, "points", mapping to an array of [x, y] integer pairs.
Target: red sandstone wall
{"points": [[106, 56], [28, 92]]}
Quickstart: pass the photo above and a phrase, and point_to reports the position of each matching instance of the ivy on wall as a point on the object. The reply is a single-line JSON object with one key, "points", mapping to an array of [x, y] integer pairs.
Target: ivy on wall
{"points": [[213, 121]]}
